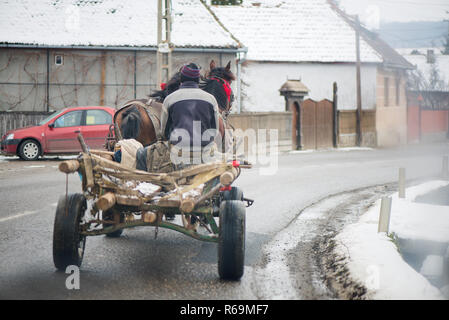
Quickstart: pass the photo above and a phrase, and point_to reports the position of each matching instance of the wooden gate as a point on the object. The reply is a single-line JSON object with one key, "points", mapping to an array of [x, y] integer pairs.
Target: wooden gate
{"points": [[316, 124]]}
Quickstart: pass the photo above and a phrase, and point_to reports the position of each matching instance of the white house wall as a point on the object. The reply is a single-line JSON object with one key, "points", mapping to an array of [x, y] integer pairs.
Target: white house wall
{"points": [[262, 81]]}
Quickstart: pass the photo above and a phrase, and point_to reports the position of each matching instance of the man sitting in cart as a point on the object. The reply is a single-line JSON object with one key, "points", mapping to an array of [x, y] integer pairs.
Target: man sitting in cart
{"points": [[189, 120]]}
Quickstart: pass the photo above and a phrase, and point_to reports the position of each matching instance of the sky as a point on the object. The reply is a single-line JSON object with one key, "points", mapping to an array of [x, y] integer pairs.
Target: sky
{"points": [[374, 11]]}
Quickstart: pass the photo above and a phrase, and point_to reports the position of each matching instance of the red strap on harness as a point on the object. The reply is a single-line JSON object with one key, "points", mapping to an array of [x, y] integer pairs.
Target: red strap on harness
{"points": [[226, 87]]}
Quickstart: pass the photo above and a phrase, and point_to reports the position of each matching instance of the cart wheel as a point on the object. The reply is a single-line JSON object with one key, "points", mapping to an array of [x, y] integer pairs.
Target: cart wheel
{"points": [[234, 194], [231, 242], [68, 244], [116, 233]]}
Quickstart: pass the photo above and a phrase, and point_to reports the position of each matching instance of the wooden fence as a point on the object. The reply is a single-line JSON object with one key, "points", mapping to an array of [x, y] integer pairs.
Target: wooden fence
{"points": [[280, 121], [347, 125], [15, 120]]}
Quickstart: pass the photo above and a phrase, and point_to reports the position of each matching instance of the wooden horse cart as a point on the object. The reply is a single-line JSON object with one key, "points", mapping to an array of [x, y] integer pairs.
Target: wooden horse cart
{"points": [[116, 197]]}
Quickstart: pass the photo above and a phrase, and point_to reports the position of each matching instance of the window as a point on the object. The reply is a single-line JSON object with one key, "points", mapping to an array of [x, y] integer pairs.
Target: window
{"points": [[398, 91], [70, 119], [59, 59], [386, 91], [96, 117], [53, 115]]}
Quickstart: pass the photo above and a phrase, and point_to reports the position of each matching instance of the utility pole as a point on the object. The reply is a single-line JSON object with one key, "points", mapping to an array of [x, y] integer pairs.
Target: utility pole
{"points": [[358, 84], [165, 47]]}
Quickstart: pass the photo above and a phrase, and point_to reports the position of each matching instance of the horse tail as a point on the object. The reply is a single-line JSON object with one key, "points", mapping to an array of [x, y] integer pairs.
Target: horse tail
{"points": [[171, 86], [159, 95], [130, 126]]}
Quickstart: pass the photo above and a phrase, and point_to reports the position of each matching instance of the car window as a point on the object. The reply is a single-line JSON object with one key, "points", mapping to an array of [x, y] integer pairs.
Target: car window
{"points": [[70, 119], [95, 117], [53, 115]]}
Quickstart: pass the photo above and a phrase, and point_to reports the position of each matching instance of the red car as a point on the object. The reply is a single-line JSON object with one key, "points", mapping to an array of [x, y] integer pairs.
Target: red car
{"points": [[57, 134]]}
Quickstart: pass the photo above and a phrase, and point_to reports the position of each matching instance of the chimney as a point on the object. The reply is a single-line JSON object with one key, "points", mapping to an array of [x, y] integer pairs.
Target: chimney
{"points": [[430, 56]]}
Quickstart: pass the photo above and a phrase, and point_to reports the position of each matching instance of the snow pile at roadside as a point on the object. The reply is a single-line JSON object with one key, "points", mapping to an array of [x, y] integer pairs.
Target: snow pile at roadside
{"points": [[332, 149], [7, 158], [373, 258]]}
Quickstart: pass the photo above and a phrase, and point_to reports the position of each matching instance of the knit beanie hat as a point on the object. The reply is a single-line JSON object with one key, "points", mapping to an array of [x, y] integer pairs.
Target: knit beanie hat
{"points": [[191, 72]]}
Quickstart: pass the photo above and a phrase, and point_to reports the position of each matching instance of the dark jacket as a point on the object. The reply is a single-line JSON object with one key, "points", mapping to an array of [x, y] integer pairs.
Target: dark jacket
{"points": [[180, 111]]}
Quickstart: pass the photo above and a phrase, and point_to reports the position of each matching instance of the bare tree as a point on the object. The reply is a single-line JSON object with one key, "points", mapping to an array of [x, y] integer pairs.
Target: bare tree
{"points": [[433, 88]]}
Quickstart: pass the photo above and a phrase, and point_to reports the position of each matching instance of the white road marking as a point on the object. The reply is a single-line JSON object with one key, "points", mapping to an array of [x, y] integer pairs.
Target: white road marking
{"points": [[34, 166], [26, 213]]}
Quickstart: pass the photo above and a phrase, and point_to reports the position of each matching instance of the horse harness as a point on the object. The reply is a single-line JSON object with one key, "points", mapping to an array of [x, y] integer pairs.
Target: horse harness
{"points": [[151, 112]]}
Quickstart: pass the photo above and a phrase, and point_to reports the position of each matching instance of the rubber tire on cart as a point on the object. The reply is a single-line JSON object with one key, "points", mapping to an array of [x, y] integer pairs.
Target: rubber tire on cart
{"points": [[68, 244], [117, 233], [231, 242], [234, 194], [29, 150]]}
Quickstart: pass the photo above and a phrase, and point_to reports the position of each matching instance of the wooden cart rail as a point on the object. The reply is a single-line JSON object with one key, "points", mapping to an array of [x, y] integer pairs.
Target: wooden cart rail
{"points": [[113, 186], [99, 173], [116, 197]]}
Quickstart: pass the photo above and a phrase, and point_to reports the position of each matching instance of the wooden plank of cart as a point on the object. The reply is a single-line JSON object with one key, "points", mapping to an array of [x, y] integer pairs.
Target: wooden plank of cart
{"points": [[116, 197]]}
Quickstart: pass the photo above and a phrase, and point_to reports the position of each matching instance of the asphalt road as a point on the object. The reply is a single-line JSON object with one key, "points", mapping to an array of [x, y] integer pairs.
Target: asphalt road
{"points": [[136, 266]]}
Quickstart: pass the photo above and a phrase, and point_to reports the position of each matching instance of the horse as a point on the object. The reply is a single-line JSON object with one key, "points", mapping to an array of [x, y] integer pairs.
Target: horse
{"points": [[217, 82], [140, 119]]}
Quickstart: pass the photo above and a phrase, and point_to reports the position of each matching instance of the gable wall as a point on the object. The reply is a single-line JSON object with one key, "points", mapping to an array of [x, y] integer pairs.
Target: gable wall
{"points": [[391, 117]]}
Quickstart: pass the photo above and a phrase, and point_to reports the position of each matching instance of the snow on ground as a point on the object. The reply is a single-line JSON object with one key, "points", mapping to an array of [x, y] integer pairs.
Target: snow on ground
{"points": [[332, 149], [67, 157], [373, 258], [355, 149], [7, 158]]}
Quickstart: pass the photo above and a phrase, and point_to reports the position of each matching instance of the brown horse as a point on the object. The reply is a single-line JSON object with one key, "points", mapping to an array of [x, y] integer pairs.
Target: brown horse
{"points": [[140, 119]]}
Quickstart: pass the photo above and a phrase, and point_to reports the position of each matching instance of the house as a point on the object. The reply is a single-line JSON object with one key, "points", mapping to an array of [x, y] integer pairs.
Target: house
{"points": [[315, 42], [427, 95], [58, 53]]}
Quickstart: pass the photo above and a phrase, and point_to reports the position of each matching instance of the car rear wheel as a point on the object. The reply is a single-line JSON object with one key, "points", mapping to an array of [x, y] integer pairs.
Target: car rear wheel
{"points": [[29, 150]]}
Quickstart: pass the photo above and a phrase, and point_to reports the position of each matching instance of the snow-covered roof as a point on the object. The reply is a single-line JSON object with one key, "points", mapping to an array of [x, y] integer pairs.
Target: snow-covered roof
{"points": [[107, 23], [293, 30], [409, 51], [424, 69]]}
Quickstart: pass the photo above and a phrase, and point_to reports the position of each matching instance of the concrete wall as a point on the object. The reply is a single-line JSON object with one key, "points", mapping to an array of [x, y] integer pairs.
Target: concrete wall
{"points": [[433, 125], [262, 81], [87, 77], [391, 115]]}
